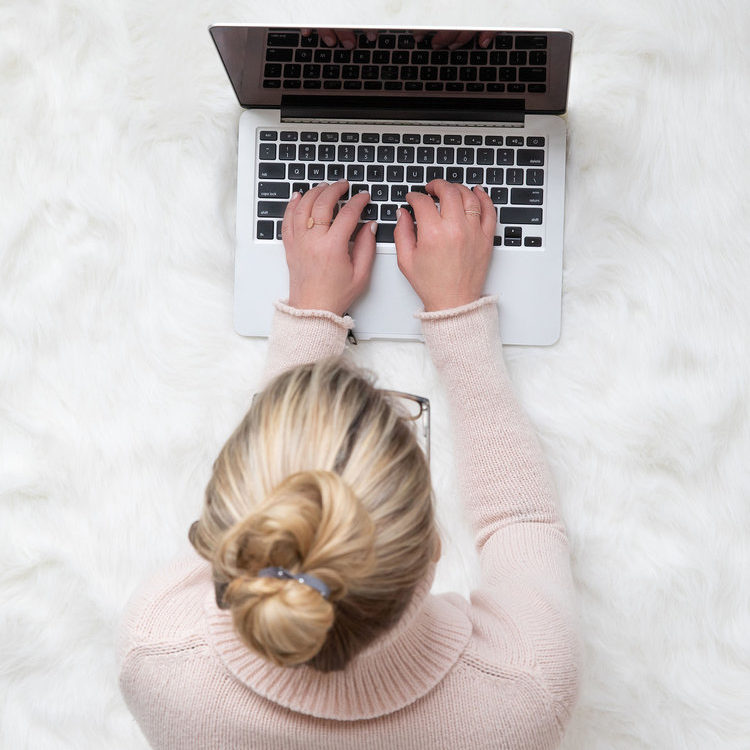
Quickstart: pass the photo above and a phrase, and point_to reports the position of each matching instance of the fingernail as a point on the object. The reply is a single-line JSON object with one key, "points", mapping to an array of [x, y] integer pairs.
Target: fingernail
{"points": [[364, 191], [398, 213], [455, 45], [295, 195], [371, 35], [479, 188], [343, 179], [348, 44], [373, 226], [322, 184], [484, 43], [329, 40]]}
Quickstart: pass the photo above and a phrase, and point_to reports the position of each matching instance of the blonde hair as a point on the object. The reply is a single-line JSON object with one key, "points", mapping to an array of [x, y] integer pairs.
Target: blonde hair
{"points": [[323, 476]]}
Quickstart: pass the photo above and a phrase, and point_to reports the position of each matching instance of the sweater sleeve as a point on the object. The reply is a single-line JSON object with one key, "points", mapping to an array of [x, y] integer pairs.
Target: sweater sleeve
{"points": [[302, 336], [524, 611]]}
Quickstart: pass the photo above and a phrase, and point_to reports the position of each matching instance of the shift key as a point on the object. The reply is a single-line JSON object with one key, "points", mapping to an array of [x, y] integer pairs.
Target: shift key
{"points": [[271, 209], [513, 215]]}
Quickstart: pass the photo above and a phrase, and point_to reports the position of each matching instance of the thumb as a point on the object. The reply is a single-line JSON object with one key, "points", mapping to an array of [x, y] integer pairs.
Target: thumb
{"points": [[405, 238], [363, 253]]}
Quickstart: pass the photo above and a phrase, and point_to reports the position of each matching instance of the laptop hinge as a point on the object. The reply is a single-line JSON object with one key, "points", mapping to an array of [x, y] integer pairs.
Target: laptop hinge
{"points": [[330, 108]]}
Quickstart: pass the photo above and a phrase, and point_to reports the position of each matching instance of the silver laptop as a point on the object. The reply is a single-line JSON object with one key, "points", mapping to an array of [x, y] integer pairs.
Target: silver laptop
{"points": [[390, 111]]}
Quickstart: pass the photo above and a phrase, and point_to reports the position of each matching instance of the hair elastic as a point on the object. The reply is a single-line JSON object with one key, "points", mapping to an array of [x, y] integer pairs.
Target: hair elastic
{"points": [[306, 578]]}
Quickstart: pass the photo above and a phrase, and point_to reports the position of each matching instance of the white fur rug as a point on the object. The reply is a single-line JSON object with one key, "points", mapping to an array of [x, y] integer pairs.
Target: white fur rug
{"points": [[121, 377]]}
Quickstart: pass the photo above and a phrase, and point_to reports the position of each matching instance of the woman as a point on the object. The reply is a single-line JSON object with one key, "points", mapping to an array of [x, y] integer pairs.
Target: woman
{"points": [[305, 620]]}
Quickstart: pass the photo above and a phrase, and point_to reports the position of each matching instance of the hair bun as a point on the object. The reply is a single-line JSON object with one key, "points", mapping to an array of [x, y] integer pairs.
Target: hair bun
{"points": [[311, 523]]}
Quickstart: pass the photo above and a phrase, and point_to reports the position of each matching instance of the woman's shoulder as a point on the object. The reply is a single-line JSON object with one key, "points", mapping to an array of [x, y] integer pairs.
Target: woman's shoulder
{"points": [[166, 608]]}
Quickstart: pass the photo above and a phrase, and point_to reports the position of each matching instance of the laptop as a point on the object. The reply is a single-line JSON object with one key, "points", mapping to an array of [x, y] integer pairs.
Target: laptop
{"points": [[390, 111]]}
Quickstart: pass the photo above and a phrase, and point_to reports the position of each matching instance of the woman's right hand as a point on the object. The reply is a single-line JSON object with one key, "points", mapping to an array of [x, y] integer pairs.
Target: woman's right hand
{"points": [[447, 263]]}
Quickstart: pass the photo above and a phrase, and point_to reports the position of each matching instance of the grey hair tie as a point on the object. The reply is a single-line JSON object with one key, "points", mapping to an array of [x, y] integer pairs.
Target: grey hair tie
{"points": [[306, 578]]}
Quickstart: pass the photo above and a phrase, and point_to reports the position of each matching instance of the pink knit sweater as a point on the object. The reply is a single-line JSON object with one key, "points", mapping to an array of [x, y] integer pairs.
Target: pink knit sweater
{"points": [[498, 671]]}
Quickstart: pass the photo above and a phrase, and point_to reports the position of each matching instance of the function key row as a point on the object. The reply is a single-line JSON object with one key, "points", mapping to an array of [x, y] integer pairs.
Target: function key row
{"points": [[427, 138]]}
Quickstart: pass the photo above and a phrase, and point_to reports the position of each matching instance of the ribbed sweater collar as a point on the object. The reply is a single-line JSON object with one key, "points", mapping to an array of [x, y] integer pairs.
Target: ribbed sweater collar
{"points": [[398, 668]]}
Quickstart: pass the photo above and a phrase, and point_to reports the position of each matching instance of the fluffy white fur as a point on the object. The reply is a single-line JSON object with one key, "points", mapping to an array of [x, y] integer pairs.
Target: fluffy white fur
{"points": [[121, 375]]}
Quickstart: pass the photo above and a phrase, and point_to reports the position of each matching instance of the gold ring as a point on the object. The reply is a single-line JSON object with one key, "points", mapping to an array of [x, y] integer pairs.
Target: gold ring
{"points": [[318, 222], [472, 211]]}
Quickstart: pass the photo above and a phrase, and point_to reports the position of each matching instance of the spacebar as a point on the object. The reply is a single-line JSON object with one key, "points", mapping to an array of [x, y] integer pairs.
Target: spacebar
{"points": [[385, 233], [514, 215]]}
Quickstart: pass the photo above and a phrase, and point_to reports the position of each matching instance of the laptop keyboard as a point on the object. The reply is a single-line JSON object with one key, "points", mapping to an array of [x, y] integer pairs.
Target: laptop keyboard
{"points": [[395, 61], [389, 163]]}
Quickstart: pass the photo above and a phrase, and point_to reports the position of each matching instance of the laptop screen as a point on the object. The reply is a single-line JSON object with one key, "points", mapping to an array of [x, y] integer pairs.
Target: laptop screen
{"points": [[522, 70]]}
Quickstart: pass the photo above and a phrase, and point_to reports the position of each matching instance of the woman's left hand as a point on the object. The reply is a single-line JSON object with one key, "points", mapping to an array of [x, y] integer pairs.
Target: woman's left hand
{"points": [[322, 273]]}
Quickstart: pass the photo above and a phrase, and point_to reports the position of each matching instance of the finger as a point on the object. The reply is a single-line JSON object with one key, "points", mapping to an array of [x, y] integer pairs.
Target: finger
{"points": [[306, 32], [405, 238], [346, 220], [347, 38], [425, 210], [470, 203], [304, 207], [325, 202], [461, 39], [451, 205], [371, 34], [489, 212], [328, 37], [363, 255], [443, 38], [485, 38], [287, 223]]}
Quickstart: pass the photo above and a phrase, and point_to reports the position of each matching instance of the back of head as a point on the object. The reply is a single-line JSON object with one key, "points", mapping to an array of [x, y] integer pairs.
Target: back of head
{"points": [[323, 476]]}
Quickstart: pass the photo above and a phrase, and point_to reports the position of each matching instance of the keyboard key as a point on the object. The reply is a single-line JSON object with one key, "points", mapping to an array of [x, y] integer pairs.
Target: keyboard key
{"points": [[514, 140], [531, 42], [499, 196], [451, 140], [316, 172], [273, 190], [505, 156], [516, 88], [485, 156], [537, 88], [412, 138], [278, 55], [405, 154], [474, 176], [267, 151], [465, 155], [493, 140], [388, 212], [391, 138], [385, 233], [296, 171], [346, 152], [414, 174], [514, 176], [473, 140], [335, 172], [271, 209], [268, 135], [435, 173], [386, 154], [398, 192], [265, 230], [288, 135], [520, 215], [512, 242], [379, 192], [512, 233], [370, 137], [355, 172], [527, 196], [307, 151], [282, 39], [271, 171], [309, 135], [329, 137], [532, 241], [326, 152], [394, 174], [287, 151], [279, 224], [350, 137], [535, 177], [375, 173], [495, 176], [533, 75], [300, 187], [517, 58], [446, 155], [537, 58], [530, 157], [425, 154], [369, 212], [365, 153], [454, 174]]}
